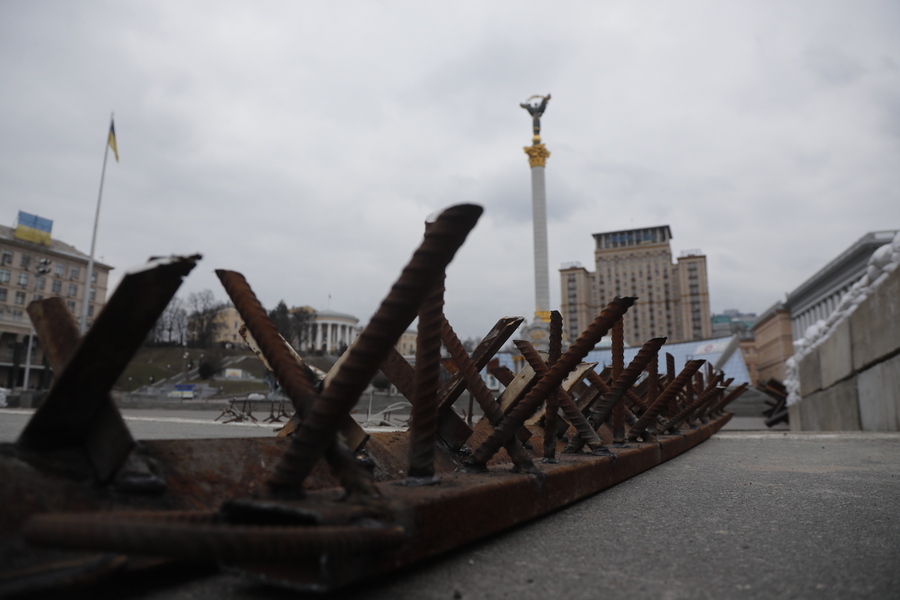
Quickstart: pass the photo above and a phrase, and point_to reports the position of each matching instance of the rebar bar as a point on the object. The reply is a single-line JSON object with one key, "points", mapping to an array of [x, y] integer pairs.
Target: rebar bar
{"points": [[290, 375], [479, 390], [649, 417], [585, 432], [618, 365], [728, 399], [397, 311], [424, 415], [576, 352], [602, 409], [552, 403], [672, 424]]}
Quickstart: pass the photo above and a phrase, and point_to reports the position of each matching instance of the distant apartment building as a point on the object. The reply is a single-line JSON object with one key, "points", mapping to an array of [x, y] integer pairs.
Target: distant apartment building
{"points": [[673, 298], [33, 266]]}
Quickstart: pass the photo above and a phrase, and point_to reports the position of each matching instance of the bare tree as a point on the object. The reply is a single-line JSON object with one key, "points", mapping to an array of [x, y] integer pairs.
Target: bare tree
{"points": [[171, 327], [203, 325]]}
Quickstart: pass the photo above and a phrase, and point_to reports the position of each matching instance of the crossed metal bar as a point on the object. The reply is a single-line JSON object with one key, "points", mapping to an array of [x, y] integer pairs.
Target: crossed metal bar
{"points": [[78, 412]]}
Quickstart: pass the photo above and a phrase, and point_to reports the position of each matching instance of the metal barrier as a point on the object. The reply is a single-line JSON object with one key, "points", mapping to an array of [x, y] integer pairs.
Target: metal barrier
{"points": [[269, 507]]}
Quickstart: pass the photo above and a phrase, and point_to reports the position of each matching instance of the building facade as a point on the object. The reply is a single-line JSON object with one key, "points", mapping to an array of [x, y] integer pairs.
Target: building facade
{"points": [[673, 298], [331, 332], [813, 300], [228, 325], [33, 268]]}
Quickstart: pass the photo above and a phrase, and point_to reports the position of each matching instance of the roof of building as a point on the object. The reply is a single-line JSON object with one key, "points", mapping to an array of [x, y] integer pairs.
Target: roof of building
{"points": [[666, 227], [322, 315], [843, 270], [8, 234]]}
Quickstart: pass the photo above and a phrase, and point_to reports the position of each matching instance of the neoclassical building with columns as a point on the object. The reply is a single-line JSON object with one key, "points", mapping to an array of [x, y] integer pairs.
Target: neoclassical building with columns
{"points": [[331, 332]]}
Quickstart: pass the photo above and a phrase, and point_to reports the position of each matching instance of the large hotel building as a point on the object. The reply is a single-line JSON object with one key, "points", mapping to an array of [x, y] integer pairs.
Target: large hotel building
{"points": [[673, 298], [34, 266]]}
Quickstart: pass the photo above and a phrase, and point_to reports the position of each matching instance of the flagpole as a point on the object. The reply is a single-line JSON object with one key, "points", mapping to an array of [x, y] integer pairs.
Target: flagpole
{"points": [[90, 267]]}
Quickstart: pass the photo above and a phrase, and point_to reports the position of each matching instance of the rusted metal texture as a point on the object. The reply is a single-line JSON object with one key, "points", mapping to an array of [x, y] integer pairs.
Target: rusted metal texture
{"points": [[587, 340], [442, 239], [550, 413], [424, 416], [603, 409], [648, 419], [493, 411], [618, 365], [484, 351], [582, 428], [406, 526], [292, 377]]}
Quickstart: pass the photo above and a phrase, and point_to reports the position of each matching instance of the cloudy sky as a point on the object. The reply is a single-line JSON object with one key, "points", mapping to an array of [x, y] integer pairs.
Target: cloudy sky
{"points": [[305, 143]]}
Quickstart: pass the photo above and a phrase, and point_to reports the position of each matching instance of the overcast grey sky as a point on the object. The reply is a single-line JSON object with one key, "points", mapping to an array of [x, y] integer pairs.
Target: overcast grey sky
{"points": [[304, 143]]}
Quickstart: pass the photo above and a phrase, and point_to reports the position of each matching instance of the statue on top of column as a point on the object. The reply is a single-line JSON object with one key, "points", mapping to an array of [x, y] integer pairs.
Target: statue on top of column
{"points": [[536, 110]]}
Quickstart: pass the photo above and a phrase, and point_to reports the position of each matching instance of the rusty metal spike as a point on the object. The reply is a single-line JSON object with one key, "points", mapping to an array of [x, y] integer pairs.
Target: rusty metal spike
{"points": [[478, 389], [291, 376], [397, 311], [553, 398], [649, 417], [584, 430], [553, 378], [424, 415], [618, 366], [602, 409]]}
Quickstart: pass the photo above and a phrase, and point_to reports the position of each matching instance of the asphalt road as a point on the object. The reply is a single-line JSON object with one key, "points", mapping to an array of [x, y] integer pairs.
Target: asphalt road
{"points": [[744, 515]]}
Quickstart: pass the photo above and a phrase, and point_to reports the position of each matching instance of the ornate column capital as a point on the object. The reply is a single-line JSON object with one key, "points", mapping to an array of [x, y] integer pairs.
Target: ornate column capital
{"points": [[537, 155]]}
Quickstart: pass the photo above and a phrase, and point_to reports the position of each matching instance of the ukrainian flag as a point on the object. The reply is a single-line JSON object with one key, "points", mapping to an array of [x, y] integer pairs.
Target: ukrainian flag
{"points": [[33, 228], [112, 139]]}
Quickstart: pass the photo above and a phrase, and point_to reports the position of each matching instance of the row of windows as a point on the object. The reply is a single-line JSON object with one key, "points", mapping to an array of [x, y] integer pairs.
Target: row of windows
{"points": [[19, 297], [59, 269], [40, 283]]}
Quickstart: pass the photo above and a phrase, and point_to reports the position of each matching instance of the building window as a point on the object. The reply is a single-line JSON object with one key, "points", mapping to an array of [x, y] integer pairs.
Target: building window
{"points": [[73, 290], [93, 275], [59, 269], [4, 275], [23, 279], [71, 306], [2, 294], [18, 315], [39, 282], [7, 257], [74, 272], [57, 286], [38, 297], [93, 296], [20, 297], [25, 261], [90, 310]]}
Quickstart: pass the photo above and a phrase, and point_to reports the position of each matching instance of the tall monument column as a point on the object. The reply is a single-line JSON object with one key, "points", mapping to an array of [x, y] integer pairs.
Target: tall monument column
{"points": [[537, 159]]}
